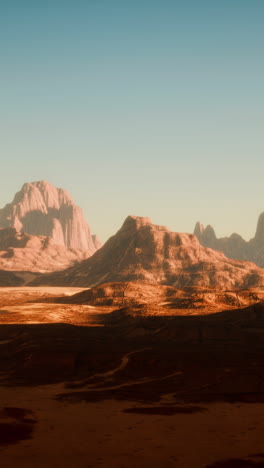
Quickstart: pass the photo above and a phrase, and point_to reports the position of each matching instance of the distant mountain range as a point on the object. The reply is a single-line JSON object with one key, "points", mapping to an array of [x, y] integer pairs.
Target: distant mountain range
{"points": [[235, 246], [45, 240], [143, 251]]}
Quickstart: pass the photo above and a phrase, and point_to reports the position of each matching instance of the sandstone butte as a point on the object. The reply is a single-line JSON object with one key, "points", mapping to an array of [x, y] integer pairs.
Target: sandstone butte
{"points": [[40, 209], [235, 246], [143, 251], [22, 252]]}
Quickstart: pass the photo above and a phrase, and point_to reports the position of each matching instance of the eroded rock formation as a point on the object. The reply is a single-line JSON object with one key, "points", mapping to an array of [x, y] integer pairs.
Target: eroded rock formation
{"points": [[22, 252], [40, 209], [143, 251], [235, 246]]}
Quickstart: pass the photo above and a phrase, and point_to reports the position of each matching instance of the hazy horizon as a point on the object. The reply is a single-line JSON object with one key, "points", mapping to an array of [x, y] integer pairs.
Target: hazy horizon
{"points": [[149, 108]]}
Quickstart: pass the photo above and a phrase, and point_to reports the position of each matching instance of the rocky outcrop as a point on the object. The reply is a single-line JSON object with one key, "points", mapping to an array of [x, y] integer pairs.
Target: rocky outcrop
{"points": [[40, 209], [143, 251], [235, 246], [97, 242], [162, 300], [22, 252], [123, 294]]}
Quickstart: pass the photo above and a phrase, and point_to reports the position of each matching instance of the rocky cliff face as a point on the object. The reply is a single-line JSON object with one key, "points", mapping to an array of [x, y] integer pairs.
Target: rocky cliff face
{"points": [[235, 246], [141, 250], [34, 254], [41, 209]]}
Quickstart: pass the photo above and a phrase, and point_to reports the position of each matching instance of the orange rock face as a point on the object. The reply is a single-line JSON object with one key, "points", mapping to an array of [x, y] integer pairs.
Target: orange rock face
{"points": [[22, 252], [141, 250]]}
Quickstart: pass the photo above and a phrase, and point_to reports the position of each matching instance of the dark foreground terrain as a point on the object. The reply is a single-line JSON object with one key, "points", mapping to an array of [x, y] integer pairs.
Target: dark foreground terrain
{"points": [[136, 386]]}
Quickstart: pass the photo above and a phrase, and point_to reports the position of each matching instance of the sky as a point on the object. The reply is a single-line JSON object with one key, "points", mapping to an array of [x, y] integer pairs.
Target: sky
{"points": [[146, 107]]}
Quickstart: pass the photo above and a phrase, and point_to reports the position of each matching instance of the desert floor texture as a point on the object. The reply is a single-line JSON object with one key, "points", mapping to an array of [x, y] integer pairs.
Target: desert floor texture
{"points": [[87, 386]]}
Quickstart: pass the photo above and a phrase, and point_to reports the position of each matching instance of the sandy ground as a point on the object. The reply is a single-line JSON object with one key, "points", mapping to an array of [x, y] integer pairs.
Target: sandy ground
{"points": [[24, 293], [18, 305], [51, 313], [118, 396], [102, 434]]}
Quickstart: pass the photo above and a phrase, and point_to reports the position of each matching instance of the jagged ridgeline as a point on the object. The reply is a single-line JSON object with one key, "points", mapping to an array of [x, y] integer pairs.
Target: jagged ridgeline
{"points": [[235, 246], [40, 209], [144, 251], [42, 231]]}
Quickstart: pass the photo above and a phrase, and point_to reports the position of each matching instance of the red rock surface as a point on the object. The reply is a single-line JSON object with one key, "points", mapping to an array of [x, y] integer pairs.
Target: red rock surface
{"points": [[123, 294], [22, 252], [141, 250], [148, 299], [41, 209]]}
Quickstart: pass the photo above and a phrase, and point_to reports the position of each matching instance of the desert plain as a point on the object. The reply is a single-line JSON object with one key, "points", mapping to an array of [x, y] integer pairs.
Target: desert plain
{"points": [[160, 378]]}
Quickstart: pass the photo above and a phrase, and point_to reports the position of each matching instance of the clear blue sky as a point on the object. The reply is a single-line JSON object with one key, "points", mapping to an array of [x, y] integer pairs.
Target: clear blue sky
{"points": [[145, 107]]}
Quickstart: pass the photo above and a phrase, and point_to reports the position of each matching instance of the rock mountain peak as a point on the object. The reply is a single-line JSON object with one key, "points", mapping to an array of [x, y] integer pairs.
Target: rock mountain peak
{"points": [[39, 208], [235, 246], [144, 251], [137, 222]]}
